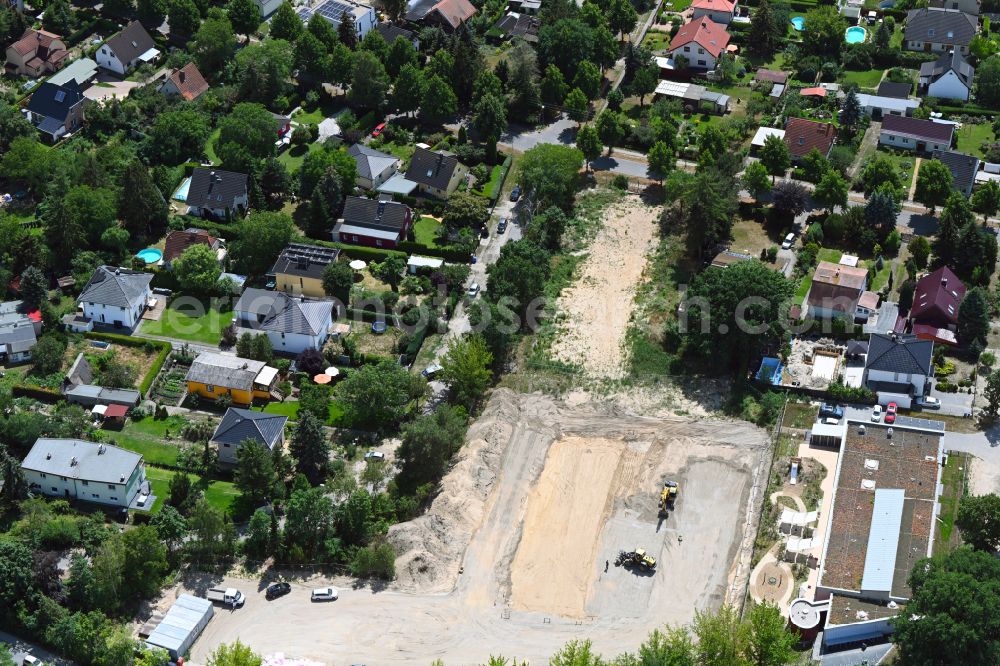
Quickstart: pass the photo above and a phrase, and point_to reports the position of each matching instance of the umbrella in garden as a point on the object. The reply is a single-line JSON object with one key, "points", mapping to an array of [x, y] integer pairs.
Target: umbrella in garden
{"points": [[332, 371], [358, 265], [322, 379]]}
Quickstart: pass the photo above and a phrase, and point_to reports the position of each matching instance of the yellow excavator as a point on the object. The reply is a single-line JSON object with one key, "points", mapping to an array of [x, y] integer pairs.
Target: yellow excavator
{"points": [[637, 557], [668, 496]]}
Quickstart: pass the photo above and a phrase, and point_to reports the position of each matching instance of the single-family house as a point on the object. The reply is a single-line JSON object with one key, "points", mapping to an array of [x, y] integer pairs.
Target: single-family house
{"points": [[923, 136], [378, 222], [692, 96], [115, 297], [128, 49], [897, 89], [879, 106], [177, 242], [82, 72], [802, 136], [19, 331], [436, 173], [186, 82], [700, 42], [720, 11], [361, 15], [936, 299], [948, 77], [239, 425], [898, 366], [86, 471], [299, 269], [931, 29], [521, 26], [213, 375], [963, 169], [968, 6], [92, 395], [36, 53], [374, 166], [291, 324], [445, 14], [217, 194], [762, 134], [56, 110], [390, 31], [268, 7], [835, 291]]}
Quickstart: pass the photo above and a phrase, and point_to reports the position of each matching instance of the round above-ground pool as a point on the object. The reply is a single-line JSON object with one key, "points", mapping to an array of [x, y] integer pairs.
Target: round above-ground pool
{"points": [[150, 255], [855, 34], [798, 22]]}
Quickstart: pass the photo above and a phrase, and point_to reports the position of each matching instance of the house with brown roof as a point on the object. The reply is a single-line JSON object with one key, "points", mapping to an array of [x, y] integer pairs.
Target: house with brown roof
{"points": [[923, 136], [835, 291], [445, 14], [701, 42], [936, 300], [186, 82], [802, 135], [720, 11], [178, 242], [771, 75], [37, 52]]}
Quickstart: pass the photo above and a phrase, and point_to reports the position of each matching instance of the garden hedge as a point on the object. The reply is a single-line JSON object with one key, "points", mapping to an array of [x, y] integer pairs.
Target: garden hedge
{"points": [[37, 392]]}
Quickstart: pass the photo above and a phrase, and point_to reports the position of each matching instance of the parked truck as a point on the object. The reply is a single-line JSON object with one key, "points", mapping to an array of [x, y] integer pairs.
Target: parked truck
{"points": [[228, 596]]}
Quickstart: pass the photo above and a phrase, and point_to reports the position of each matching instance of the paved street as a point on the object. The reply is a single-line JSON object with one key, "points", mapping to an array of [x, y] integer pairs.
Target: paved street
{"points": [[20, 648]]}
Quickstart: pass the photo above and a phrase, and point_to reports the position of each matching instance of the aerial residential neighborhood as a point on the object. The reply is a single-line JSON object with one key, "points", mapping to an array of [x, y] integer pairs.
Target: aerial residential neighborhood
{"points": [[591, 333]]}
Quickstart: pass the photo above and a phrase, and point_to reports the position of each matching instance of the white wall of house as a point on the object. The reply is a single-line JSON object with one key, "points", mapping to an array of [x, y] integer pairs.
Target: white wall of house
{"points": [[106, 59], [716, 16], [917, 381], [228, 452], [909, 143], [697, 57], [949, 86], [112, 315], [115, 494], [936, 47], [365, 22], [378, 179], [268, 7]]}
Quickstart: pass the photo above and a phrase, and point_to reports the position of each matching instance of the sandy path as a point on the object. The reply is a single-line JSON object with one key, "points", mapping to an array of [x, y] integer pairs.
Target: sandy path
{"points": [[596, 309]]}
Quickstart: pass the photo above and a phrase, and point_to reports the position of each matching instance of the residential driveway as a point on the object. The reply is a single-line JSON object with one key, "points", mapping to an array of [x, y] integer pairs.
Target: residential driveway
{"points": [[563, 131], [621, 165], [101, 92], [954, 404]]}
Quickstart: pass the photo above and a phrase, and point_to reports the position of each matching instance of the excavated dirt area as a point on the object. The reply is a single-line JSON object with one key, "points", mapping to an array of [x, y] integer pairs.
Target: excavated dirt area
{"points": [[594, 312], [510, 557]]}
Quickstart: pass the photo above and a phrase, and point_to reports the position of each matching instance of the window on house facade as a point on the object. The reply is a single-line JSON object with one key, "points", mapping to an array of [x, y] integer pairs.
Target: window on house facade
{"points": [[210, 389], [54, 489], [86, 483], [111, 486], [42, 474]]}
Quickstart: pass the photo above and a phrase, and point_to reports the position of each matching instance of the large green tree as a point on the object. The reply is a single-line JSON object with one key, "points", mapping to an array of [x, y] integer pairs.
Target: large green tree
{"points": [[311, 447], [214, 44], [197, 269], [774, 155], [979, 520], [766, 34], [376, 395], [974, 318], [549, 172], [369, 82], [987, 82], [244, 15], [933, 184], [262, 235], [428, 443], [465, 369], [254, 477]]}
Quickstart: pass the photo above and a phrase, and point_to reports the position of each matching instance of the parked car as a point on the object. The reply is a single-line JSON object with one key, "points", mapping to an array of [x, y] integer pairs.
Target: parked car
{"points": [[431, 370], [374, 455], [890, 412], [827, 410], [473, 290], [325, 594], [876, 413], [31, 660], [378, 129], [930, 402], [275, 590], [515, 193], [502, 225], [787, 243]]}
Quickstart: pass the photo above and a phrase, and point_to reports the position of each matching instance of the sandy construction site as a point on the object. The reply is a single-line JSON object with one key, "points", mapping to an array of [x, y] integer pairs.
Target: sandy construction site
{"points": [[510, 557]]}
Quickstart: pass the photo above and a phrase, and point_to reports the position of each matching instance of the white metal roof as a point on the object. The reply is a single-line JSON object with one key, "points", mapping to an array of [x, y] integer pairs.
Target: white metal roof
{"points": [[266, 375], [371, 232], [763, 132], [901, 106], [426, 262], [883, 540], [829, 430]]}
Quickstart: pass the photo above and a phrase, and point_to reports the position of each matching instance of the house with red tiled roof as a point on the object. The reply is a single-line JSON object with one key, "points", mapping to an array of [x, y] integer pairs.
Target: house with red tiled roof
{"points": [[37, 52], [720, 11], [179, 241], [446, 14], [701, 42], [802, 135], [186, 82], [936, 299]]}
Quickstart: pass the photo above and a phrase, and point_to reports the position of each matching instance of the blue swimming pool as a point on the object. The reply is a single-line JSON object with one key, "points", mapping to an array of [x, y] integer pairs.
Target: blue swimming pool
{"points": [[798, 22], [182, 192], [150, 255], [855, 34]]}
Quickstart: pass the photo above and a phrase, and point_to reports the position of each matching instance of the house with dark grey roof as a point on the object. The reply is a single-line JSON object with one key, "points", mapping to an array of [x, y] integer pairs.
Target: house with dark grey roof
{"points": [[898, 367], [948, 77], [963, 169], [115, 297], [299, 269], [217, 194], [436, 173], [894, 89], [239, 425], [523, 26], [128, 49], [291, 324], [56, 110], [390, 32], [923, 136], [938, 30], [378, 222], [76, 469], [19, 331], [90, 395], [374, 167]]}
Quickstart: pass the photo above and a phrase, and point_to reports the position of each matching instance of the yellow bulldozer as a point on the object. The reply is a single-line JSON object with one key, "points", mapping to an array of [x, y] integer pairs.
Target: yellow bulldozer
{"points": [[668, 495], [637, 557]]}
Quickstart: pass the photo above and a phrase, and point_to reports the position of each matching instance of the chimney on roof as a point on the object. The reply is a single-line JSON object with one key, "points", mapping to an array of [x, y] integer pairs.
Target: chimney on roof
{"points": [[101, 449], [181, 75], [73, 461], [944, 281], [118, 271]]}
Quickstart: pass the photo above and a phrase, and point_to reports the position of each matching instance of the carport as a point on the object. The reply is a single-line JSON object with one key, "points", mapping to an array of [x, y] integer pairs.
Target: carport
{"points": [[181, 626]]}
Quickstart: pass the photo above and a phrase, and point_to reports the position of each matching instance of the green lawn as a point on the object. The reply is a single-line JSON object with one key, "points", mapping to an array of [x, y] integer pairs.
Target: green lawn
{"points": [[210, 147], [290, 408], [491, 184], [193, 324], [404, 151], [971, 138], [425, 231], [904, 161], [296, 155], [800, 293], [314, 117], [953, 480], [147, 436], [656, 40], [220, 494], [896, 41], [868, 79], [829, 254], [881, 278], [676, 5]]}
